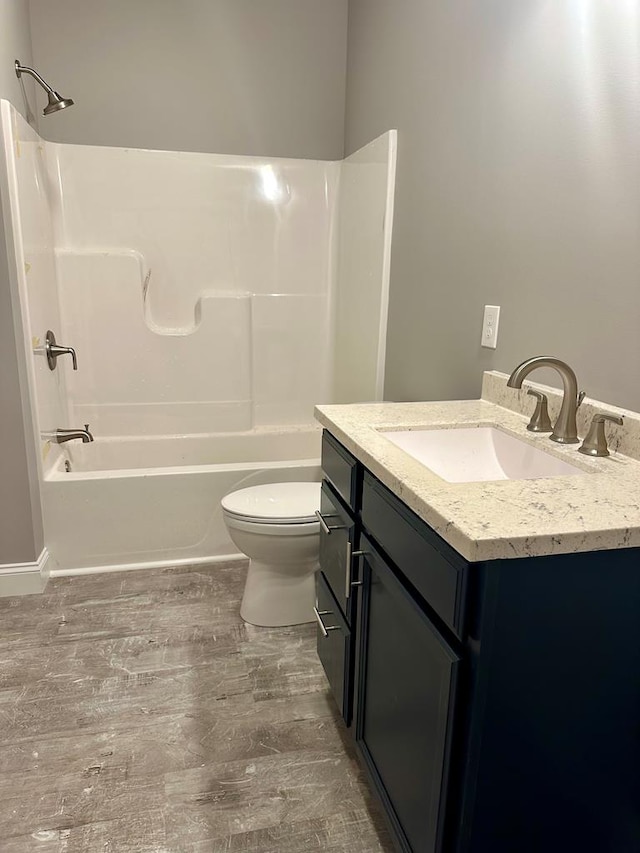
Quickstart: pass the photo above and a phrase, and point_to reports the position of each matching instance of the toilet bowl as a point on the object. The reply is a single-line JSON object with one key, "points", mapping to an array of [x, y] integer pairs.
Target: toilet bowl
{"points": [[276, 527]]}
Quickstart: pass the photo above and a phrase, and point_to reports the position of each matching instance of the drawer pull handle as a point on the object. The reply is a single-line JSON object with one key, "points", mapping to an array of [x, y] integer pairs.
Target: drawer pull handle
{"points": [[326, 527], [324, 628]]}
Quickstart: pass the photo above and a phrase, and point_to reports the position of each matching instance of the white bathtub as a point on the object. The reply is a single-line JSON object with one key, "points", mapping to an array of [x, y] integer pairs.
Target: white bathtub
{"points": [[136, 502]]}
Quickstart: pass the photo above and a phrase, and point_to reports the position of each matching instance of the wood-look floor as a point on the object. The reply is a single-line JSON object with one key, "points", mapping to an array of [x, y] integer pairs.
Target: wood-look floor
{"points": [[139, 714]]}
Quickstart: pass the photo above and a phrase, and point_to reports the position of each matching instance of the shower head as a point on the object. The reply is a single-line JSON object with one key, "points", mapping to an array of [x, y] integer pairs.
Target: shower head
{"points": [[56, 101]]}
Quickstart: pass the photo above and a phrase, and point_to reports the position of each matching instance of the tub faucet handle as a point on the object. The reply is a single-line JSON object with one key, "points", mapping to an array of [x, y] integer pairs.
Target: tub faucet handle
{"points": [[53, 351], [540, 421]]}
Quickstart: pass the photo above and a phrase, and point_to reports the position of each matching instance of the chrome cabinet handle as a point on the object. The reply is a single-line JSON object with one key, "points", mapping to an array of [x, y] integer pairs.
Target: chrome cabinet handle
{"points": [[326, 527], [351, 554], [348, 583], [347, 570], [53, 351], [324, 628]]}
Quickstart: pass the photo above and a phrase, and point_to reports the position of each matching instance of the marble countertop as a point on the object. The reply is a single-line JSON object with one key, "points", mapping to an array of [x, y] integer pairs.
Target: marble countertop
{"points": [[506, 518]]}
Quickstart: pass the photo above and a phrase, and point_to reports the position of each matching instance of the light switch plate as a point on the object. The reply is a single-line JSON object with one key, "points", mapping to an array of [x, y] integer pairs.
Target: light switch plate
{"points": [[490, 324]]}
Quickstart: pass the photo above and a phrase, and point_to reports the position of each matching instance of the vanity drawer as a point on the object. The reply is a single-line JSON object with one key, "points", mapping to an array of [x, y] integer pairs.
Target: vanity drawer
{"points": [[334, 646], [341, 469], [336, 547], [433, 568]]}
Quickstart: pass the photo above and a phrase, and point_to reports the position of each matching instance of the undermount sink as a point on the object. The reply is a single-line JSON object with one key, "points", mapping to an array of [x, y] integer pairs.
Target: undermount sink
{"points": [[473, 454]]}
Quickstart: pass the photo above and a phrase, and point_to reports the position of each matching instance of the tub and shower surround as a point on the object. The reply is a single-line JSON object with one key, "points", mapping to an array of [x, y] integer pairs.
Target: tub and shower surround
{"points": [[200, 292], [197, 286]]}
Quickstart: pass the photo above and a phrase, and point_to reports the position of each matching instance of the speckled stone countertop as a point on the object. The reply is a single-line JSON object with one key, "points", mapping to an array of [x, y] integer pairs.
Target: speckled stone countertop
{"points": [[505, 518]]}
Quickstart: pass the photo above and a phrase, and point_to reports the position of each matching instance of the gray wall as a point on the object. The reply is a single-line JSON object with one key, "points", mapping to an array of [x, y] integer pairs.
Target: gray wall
{"points": [[21, 538], [15, 43], [224, 76], [518, 185]]}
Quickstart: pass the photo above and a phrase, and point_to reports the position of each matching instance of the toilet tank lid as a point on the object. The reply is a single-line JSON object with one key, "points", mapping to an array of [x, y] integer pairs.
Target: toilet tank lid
{"points": [[275, 502]]}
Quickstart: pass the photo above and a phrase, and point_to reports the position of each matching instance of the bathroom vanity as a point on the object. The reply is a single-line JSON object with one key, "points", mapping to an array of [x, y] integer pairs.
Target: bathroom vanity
{"points": [[482, 640]]}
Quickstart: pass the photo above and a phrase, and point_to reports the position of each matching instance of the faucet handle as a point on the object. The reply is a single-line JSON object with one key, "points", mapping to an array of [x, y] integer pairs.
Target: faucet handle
{"points": [[595, 443], [540, 421], [53, 351]]}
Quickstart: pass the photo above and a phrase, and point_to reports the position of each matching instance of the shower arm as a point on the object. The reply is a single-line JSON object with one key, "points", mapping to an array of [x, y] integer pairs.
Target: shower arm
{"points": [[24, 69], [56, 101]]}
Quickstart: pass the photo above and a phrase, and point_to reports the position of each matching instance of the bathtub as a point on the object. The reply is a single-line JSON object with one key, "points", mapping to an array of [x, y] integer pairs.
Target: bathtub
{"points": [[139, 502]]}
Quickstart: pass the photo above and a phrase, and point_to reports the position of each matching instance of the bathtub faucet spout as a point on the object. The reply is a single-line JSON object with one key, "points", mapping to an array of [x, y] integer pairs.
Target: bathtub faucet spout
{"points": [[62, 435]]}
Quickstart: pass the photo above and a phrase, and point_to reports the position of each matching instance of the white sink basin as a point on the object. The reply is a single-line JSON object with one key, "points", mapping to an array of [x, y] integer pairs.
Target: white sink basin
{"points": [[465, 455]]}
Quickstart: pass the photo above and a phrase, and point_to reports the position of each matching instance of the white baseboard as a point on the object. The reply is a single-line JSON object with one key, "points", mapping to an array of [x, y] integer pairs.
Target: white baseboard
{"points": [[154, 564], [25, 578]]}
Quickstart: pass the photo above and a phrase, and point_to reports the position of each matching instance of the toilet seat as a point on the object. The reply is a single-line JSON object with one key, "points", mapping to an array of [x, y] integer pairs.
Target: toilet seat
{"points": [[274, 504], [255, 526]]}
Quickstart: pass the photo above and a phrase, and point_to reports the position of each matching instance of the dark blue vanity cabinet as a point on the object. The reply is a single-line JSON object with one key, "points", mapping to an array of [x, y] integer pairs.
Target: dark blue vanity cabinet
{"points": [[495, 706]]}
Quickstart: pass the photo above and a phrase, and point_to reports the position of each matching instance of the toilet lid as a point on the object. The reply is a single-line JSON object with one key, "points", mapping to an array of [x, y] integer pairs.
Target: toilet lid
{"points": [[288, 503]]}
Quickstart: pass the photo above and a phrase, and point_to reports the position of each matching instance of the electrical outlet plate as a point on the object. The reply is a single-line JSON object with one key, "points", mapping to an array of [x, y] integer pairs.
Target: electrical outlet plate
{"points": [[490, 323]]}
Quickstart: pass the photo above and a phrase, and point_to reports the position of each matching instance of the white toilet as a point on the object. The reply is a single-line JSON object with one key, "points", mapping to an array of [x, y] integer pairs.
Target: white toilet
{"points": [[276, 527]]}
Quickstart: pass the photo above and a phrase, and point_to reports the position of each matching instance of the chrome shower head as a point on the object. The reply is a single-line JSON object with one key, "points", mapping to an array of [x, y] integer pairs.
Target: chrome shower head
{"points": [[56, 101]]}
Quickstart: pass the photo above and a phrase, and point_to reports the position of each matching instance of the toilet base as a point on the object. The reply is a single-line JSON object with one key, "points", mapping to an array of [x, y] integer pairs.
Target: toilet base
{"points": [[276, 596]]}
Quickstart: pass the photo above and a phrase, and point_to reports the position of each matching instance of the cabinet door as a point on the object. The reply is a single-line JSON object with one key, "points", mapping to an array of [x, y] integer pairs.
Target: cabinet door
{"points": [[336, 544], [407, 679]]}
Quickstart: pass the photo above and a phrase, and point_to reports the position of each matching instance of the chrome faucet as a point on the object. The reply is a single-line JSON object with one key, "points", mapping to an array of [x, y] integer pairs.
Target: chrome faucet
{"points": [[565, 430], [62, 435]]}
